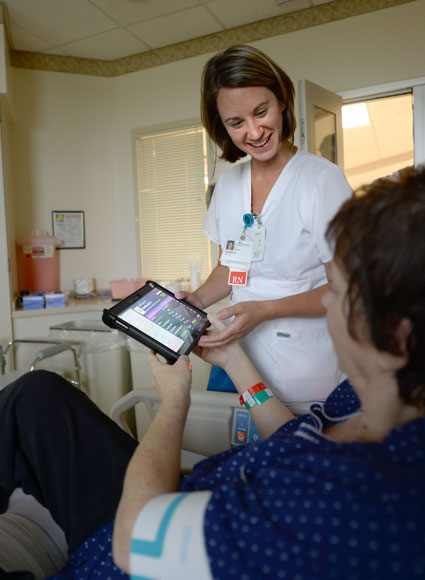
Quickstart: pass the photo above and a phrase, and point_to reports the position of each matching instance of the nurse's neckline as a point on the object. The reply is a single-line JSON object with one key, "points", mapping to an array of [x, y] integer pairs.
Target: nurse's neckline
{"points": [[261, 202]]}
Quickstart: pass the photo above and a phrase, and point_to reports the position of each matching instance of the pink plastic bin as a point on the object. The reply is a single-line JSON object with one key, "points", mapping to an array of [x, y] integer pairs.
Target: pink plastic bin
{"points": [[125, 286]]}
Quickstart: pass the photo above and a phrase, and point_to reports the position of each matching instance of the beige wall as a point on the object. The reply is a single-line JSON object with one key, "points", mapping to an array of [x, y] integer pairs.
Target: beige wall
{"points": [[7, 225], [71, 138]]}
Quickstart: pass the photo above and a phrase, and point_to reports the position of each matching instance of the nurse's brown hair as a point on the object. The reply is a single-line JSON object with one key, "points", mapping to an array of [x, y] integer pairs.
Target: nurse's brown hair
{"points": [[243, 66], [379, 238]]}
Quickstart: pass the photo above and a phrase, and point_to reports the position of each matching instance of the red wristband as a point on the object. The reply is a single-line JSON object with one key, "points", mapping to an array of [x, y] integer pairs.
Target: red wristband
{"points": [[249, 393], [256, 388]]}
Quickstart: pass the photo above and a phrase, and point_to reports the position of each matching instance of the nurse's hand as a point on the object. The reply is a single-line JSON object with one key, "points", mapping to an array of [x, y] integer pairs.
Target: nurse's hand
{"points": [[189, 297], [247, 315], [217, 355], [171, 380]]}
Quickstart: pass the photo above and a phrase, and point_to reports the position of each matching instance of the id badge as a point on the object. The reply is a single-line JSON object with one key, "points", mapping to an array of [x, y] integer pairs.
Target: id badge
{"points": [[239, 257], [258, 243]]}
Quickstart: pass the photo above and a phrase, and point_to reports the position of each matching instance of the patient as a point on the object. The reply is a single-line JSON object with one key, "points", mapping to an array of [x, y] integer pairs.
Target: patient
{"points": [[337, 493]]}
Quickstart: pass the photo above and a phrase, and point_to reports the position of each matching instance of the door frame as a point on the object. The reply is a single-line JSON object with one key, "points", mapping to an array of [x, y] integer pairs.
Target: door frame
{"points": [[310, 97]]}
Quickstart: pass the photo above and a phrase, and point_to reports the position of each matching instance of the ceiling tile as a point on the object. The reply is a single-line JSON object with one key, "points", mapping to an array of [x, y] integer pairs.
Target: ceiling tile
{"points": [[237, 12], [107, 46], [176, 28], [59, 21], [62, 26], [132, 11], [26, 41]]}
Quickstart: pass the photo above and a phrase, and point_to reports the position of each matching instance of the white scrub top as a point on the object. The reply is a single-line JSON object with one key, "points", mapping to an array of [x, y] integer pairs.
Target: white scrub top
{"points": [[294, 356]]}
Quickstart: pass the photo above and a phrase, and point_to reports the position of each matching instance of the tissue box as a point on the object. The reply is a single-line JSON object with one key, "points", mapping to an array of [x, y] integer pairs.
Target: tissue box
{"points": [[55, 299], [33, 301]]}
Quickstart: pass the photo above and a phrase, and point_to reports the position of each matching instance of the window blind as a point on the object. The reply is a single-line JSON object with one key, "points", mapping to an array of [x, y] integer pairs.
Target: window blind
{"points": [[171, 175]]}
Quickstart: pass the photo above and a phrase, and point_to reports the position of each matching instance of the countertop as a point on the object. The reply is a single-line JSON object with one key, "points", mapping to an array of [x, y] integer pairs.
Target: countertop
{"points": [[74, 305]]}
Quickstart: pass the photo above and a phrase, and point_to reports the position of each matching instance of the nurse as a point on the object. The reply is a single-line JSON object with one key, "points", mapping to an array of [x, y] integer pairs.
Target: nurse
{"points": [[276, 206]]}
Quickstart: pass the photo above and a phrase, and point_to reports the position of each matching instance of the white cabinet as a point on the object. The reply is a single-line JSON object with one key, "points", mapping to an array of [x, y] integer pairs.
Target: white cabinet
{"points": [[104, 356], [112, 364], [35, 324]]}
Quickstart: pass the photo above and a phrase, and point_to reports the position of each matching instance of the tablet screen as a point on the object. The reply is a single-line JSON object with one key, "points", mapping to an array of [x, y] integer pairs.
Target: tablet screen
{"points": [[165, 319]]}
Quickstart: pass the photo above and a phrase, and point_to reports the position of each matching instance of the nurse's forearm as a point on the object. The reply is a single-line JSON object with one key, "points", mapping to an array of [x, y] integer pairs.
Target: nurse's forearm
{"points": [[215, 287], [306, 304]]}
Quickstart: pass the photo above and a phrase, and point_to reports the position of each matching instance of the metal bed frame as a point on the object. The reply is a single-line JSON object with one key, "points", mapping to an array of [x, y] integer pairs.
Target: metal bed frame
{"points": [[57, 347]]}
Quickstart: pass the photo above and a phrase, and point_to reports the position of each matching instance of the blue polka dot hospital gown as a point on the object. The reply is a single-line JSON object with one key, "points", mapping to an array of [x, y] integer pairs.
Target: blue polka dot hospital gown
{"points": [[299, 506]]}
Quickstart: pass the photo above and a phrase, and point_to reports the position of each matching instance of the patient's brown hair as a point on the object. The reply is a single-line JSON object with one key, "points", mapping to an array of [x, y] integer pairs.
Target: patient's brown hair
{"points": [[379, 240]]}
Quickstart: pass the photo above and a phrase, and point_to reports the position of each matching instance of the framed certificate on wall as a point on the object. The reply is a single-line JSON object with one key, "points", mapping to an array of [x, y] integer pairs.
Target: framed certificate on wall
{"points": [[68, 229]]}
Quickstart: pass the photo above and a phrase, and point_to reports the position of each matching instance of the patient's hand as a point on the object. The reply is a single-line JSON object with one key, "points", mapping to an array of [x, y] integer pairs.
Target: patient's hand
{"points": [[171, 380]]}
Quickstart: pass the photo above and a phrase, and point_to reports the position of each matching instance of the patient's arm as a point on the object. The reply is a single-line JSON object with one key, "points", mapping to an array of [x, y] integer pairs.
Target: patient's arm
{"points": [[155, 466], [270, 415]]}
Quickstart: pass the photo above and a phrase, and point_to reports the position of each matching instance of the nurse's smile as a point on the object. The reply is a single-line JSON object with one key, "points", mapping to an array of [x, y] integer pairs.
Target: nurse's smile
{"points": [[262, 144]]}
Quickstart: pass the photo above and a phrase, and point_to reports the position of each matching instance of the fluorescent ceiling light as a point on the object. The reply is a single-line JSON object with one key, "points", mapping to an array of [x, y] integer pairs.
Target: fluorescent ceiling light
{"points": [[355, 115]]}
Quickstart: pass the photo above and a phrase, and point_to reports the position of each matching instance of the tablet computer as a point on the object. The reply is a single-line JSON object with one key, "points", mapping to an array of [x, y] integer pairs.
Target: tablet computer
{"points": [[156, 318]]}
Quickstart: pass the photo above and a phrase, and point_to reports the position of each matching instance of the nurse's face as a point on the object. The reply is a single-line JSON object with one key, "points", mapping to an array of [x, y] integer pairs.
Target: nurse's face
{"points": [[252, 116]]}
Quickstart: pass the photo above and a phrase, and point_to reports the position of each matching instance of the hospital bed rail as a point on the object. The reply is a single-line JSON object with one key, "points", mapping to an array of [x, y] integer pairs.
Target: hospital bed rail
{"points": [[57, 347], [209, 422]]}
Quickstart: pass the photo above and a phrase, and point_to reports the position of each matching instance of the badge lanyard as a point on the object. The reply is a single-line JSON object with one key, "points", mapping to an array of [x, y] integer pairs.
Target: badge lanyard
{"points": [[239, 254]]}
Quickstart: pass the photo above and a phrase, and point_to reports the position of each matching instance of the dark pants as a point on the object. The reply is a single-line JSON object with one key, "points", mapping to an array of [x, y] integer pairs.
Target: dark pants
{"points": [[59, 447]]}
